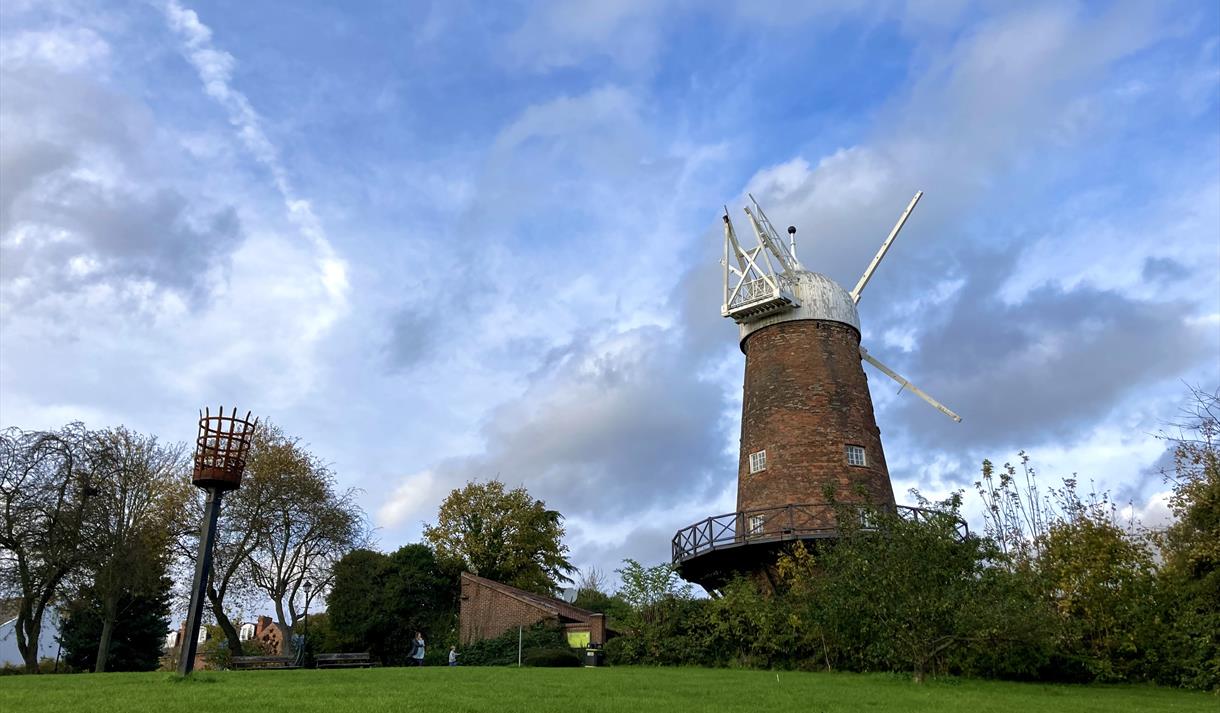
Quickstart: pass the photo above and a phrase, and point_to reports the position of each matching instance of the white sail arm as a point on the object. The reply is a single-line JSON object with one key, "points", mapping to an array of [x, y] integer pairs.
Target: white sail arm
{"points": [[908, 385], [872, 266]]}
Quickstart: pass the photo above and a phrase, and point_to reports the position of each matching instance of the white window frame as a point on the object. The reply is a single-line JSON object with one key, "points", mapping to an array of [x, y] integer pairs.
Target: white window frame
{"points": [[755, 525], [758, 461], [247, 631], [852, 449]]}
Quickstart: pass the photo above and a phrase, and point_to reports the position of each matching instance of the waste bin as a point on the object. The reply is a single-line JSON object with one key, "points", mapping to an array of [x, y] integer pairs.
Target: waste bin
{"points": [[594, 656]]}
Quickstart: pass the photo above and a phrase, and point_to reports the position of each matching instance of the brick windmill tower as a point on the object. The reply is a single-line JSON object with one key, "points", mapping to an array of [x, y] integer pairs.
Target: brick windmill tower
{"points": [[809, 441]]}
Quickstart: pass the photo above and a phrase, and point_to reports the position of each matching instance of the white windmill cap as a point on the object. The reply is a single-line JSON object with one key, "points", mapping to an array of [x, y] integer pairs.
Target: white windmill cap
{"points": [[820, 298]]}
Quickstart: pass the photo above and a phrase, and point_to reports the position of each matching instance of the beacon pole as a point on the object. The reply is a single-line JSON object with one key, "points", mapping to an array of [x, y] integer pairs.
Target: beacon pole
{"points": [[220, 459], [203, 567]]}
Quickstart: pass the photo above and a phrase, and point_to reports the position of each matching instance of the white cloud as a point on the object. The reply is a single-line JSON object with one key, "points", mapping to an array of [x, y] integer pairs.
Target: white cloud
{"points": [[215, 68], [1089, 245], [1153, 513], [136, 271], [557, 34], [417, 497], [69, 50]]}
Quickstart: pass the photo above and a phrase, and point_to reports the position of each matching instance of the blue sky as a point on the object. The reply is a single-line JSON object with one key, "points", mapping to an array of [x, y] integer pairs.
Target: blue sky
{"points": [[444, 241]]}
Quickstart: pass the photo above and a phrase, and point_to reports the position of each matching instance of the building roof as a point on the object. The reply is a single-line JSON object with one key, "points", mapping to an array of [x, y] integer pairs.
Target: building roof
{"points": [[550, 605], [820, 298]]}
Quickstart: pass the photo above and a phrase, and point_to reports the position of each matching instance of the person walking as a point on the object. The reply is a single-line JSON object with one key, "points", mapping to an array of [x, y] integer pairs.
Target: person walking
{"points": [[418, 652], [453, 654]]}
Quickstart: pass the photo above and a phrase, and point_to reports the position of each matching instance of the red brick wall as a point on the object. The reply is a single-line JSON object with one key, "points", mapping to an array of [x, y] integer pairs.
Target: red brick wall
{"points": [[806, 397], [597, 629], [486, 613], [268, 632]]}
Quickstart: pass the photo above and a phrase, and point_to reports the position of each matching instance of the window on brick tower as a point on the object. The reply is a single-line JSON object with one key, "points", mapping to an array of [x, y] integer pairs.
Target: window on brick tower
{"points": [[756, 524], [855, 456], [758, 461]]}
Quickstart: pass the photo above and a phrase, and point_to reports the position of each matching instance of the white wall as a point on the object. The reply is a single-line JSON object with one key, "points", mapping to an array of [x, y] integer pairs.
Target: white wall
{"points": [[47, 646]]}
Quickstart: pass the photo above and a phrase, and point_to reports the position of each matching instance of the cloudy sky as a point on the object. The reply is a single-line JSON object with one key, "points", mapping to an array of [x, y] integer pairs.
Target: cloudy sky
{"points": [[444, 241]]}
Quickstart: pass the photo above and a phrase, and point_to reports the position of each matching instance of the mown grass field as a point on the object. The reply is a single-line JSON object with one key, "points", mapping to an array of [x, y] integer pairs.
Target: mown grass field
{"points": [[629, 690]]}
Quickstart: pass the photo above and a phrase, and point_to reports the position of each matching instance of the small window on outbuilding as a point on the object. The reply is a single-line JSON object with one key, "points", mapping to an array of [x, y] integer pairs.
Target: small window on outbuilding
{"points": [[855, 456], [758, 461]]}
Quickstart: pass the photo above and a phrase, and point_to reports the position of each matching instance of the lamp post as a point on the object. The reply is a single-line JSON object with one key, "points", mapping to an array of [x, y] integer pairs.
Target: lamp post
{"points": [[305, 634], [220, 460]]}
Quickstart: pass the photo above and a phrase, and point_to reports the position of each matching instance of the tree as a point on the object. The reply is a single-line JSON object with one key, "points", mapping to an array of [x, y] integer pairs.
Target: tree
{"points": [[136, 640], [423, 592], [752, 626], [140, 509], [612, 605], [306, 524], [1099, 581], [377, 601], [503, 535], [643, 587], [592, 595], [1192, 542], [356, 601], [592, 579], [907, 583], [46, 489], [663, 622], [1190, 578], [1016, 515]]}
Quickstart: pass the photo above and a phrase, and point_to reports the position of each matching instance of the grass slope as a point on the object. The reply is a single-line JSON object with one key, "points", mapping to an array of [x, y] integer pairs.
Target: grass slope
{"points": [[631, 690]]}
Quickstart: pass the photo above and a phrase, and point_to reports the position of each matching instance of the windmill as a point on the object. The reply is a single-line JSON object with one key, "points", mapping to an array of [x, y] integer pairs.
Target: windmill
{"points": [[809, 439]]}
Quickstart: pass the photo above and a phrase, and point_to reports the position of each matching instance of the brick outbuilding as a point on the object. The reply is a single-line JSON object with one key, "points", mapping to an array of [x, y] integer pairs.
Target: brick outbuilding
{"points": [[490, 608]]}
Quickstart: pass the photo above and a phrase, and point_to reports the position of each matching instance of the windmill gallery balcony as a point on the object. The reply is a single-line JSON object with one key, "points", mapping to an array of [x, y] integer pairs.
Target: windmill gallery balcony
{"points": [[758, 298], [708, 551]]}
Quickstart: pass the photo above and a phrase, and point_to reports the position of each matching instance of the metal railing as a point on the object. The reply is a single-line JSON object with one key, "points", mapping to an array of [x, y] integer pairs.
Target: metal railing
{"points": [[792, 522], [760, 290]]}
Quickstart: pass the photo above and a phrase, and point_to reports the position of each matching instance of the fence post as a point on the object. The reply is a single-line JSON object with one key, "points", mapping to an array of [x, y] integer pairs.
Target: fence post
{"points": [[519, 630]]}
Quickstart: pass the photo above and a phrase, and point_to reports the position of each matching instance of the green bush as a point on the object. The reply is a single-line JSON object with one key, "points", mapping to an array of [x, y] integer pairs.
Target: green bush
{"points": [[502, 650], [45, 665], [552, 658], [215, 650], [615, 650], [674, 634], [1083, 601]]}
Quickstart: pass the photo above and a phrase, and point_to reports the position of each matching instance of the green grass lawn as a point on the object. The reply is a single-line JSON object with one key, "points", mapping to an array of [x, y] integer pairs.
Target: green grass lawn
{"points": [[630, 690]]}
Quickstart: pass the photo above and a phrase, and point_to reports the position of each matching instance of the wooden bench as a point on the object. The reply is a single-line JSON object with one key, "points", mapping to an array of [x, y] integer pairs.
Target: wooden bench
{"points": [[344, 661], [265, 662]]}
